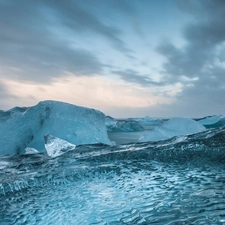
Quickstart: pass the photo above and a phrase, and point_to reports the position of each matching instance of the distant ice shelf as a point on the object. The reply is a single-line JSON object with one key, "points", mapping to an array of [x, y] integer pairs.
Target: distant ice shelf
{"points": [[147, 121], [124, 125]]}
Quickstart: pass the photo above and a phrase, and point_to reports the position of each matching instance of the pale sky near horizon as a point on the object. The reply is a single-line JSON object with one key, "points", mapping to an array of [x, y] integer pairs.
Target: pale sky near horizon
{"points": [[127, 58]]}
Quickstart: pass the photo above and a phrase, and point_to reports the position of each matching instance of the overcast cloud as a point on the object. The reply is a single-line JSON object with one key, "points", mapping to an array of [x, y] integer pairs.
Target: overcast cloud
{"points": [[29, 41], [200, 64], [176, 49]]}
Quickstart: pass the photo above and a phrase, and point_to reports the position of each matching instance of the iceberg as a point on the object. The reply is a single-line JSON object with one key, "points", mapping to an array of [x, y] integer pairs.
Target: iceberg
{"points": [[171, 128], [209, 120], [56, 146], [26, 127], [212, 121], [114, 125]]}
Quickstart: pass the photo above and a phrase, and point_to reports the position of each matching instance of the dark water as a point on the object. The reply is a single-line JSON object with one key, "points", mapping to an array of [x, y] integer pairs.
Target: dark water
{"points": [[128, 137], [178, 181], [125, 137]]}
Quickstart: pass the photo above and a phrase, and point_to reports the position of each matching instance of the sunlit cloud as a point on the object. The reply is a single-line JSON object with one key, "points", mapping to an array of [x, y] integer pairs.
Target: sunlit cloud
{"points": [[96, 92]]}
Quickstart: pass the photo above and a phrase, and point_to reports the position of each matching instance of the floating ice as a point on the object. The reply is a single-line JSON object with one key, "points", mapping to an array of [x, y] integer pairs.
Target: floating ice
{"points": [[122, 125], [212, 121], [173, 127], [31, 150], [56, 146], [25, 127]]}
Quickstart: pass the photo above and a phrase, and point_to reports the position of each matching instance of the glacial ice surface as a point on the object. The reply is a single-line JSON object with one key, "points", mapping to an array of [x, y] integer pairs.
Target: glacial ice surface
{"points": [[26, 127], [173, 127], [163, 182]]}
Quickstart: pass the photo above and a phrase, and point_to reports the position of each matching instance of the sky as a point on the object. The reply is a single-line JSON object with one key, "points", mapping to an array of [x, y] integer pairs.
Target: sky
{"points": [[127, 58]]}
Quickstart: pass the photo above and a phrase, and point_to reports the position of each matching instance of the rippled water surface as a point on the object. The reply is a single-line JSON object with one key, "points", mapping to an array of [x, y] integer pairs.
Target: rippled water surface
{"points": [[145, 183]]}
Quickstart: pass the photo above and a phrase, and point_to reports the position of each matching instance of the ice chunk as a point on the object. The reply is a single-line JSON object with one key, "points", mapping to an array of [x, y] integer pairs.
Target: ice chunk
{"points": [[212, 121], [173, 127], [56, 146], [122, 125], [31, 150], [25, 127]]}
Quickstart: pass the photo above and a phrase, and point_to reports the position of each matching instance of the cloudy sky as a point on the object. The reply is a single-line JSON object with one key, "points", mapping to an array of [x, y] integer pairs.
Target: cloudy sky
{"points": [[160, 58]]}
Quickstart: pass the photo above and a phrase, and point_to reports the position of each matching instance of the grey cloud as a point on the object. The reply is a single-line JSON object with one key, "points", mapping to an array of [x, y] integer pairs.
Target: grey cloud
{"points": [[79, 19], [28, 43], [6, 97], [42, 63], [187, 62], [202, 99], [201, 9], [196, 101], [2, 90], [197, 59], [132, 76], [202, 37]]}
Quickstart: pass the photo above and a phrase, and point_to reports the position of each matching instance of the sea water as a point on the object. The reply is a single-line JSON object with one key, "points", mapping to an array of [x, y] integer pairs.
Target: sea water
{"points": [[177, 181]]}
